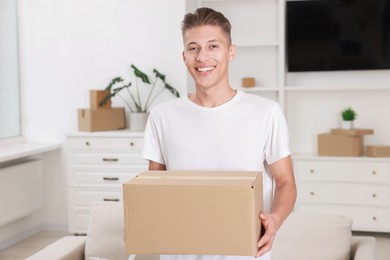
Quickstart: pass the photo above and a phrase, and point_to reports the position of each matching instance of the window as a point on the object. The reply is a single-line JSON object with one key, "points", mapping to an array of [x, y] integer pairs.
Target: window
{"points": [[10, 105]]}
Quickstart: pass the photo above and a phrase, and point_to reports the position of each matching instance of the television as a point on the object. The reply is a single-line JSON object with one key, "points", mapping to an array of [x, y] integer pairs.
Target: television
{"points": [[334, 35]]}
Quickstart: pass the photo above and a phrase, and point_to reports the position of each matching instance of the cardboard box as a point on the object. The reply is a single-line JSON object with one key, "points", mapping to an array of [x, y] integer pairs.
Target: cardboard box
{"points": [[352, 132], [248, 82], [340, 145], [96, 96], [101, 119], [378, 151], [193, 212]]}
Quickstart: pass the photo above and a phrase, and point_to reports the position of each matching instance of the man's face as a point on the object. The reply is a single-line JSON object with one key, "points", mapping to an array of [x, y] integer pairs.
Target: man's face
{"points": [[207, 53]]}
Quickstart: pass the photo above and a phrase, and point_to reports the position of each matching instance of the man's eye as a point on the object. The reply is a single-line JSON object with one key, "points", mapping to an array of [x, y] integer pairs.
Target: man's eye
{"points": [[192, 49], [213, 46]]}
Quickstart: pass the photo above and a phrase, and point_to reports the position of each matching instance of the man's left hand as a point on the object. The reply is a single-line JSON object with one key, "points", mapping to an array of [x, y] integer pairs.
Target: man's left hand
{"points": [[265, 242]]}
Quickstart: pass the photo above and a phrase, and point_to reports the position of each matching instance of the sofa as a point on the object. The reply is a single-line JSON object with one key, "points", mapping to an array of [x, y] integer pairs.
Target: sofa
{"points": [[302, 236]]}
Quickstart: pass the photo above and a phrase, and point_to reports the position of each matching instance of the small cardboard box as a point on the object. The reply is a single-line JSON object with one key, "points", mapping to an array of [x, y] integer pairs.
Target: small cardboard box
{"points": [[248, 82], [340, 145], [193, 212], [352, 132], [378, 151], [96, 96], [101, 119]]}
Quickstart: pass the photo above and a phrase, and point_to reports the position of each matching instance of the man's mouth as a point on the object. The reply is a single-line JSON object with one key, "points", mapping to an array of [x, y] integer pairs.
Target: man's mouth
{"points": [[205, 69]]}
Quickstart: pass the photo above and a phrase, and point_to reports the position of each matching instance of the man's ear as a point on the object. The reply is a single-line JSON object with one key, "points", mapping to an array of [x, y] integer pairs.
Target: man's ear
{"points": [[183, 55], [232, 52]]}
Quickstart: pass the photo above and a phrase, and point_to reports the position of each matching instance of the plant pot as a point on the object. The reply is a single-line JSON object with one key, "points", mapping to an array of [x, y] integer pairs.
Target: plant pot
{"points": [[347, 125], [137, 121]]}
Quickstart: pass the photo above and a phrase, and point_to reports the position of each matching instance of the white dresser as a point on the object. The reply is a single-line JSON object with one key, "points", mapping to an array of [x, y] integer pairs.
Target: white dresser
{"points": [[354, 186], [98, 164]]}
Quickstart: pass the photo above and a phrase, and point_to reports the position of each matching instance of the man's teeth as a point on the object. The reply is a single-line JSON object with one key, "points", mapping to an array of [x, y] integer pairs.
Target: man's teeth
{"points": [[205, 69]]}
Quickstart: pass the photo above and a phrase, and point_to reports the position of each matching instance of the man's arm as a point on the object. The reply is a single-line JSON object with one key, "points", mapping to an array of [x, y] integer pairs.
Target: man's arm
{"points": [[154, 166], [282, 203]]}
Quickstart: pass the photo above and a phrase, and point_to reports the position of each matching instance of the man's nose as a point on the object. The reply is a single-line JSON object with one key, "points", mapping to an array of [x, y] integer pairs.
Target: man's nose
{"points": [[202, 55]]}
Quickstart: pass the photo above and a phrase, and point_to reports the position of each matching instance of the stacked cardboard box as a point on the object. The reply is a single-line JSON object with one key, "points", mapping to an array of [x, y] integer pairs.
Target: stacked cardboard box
{"points": [[340, 142], [378, 151], [100, 118]]}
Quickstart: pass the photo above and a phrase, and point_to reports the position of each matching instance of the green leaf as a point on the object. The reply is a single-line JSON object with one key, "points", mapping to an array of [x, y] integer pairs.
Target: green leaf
{"points": [[172, 90], [105, 99], [159, 75], [140, 74], [113, 82]]}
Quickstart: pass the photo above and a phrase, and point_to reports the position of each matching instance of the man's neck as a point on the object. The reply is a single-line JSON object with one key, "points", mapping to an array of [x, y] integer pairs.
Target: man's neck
{"points": [[212, 97]]}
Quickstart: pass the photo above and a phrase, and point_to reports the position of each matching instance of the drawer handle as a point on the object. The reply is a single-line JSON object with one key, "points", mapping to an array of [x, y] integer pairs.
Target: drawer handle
{"points": [[111, 199], [374, 218], [87, 143], [311, 171], [312, 193], [131, 144], [374, 195], [110, 159], [373, 172], [111, 178]]}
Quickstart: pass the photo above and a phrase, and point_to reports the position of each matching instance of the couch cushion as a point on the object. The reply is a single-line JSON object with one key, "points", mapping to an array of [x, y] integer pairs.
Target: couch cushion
{"points": [[105, 235], [313, 236]]}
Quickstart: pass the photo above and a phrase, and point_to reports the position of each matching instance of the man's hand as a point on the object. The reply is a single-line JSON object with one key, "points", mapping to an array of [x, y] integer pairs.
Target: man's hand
{"points": [[265, 242]]}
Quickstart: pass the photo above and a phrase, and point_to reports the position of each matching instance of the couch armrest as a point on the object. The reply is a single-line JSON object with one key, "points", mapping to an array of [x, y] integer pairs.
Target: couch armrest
{"points": [[363, 248], [69, 247]]}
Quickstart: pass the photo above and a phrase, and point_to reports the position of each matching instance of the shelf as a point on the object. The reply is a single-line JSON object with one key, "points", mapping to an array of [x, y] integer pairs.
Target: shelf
{"points": [[258, 89], [336, 88], [314, 156], [257, 45]]}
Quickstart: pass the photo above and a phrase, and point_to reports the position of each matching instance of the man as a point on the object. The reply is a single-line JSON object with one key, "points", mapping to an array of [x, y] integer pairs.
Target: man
{"points": [[219, 128]]}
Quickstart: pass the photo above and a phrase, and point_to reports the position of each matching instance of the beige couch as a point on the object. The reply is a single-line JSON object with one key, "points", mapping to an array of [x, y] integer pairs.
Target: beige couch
{"points": [[302, 236]]}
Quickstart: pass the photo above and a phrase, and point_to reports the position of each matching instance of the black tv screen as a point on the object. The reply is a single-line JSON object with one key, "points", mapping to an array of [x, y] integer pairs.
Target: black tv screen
{"points": [[332, 35]]}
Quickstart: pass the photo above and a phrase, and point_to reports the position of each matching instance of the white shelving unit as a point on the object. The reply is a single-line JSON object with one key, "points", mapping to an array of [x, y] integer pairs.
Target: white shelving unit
{"points": [[312, 103]]}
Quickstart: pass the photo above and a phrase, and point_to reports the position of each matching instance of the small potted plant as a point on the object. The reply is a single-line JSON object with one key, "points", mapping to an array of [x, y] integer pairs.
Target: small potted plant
{"points": [[348, 115], [139, 106]]}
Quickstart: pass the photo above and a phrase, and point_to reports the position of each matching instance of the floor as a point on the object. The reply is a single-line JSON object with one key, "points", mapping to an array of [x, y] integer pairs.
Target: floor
{"points": [[35, 243]]}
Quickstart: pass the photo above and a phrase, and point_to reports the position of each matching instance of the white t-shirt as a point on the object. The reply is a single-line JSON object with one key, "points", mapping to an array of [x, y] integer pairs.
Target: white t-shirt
{"points": [[243, 134]]}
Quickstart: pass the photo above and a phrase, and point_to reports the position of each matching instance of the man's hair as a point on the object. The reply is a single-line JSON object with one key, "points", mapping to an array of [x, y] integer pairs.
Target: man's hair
{"points": [[206, 16]]}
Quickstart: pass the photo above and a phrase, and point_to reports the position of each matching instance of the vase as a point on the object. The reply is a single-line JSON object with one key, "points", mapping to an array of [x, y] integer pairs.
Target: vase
{"points": [[346, 125], [137, 121]]}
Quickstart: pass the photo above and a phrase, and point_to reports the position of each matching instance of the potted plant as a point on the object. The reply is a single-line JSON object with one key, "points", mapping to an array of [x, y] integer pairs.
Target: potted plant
{"points": [[138, 104], [348, 115]]}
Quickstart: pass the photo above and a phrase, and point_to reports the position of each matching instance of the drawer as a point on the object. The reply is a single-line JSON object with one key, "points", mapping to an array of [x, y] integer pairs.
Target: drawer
{"points": [[103, 178], [342, 193], [371, 172], [108, 158], [84, 197], [364, 218], [127, 143]]}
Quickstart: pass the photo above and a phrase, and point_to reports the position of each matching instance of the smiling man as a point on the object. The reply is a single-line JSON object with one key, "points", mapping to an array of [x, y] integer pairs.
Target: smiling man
{"points": [[220, 128]]}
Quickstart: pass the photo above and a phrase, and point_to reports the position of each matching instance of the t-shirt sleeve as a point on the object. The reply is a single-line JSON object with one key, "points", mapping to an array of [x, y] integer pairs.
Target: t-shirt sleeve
{"points": [[277, 144], [152, 146]]}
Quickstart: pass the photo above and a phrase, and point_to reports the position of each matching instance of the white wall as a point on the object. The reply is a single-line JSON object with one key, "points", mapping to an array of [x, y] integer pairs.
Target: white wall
{"points": [[69, 47]]}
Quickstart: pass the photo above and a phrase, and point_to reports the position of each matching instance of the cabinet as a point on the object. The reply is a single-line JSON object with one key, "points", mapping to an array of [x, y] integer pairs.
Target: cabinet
{"points": [[98, 164], [356, 187]]}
